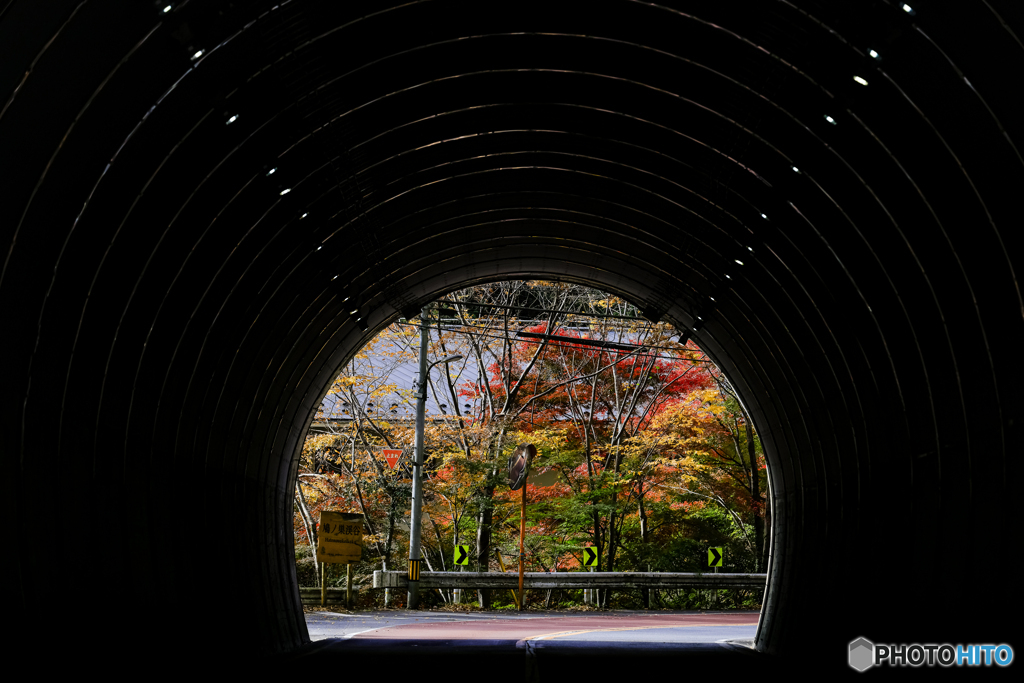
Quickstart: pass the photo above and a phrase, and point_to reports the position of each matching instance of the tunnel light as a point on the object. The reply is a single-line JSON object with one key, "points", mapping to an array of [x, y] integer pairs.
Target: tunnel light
{"points": [[750, 249], [712, 298], [272, 171], [303, 216], [318, 249], [738, 261], [334, 278], [198, 54], [167, 9], [764, 217], [727, 277], [830, 119], [860, 80], [285, 191], [353, 312], [908, 9], [234, 117], [796, 170], [873, 54]]}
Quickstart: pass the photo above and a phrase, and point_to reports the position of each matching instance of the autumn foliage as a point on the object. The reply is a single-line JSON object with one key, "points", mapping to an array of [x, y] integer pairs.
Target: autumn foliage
{"points": [[644, 450]]}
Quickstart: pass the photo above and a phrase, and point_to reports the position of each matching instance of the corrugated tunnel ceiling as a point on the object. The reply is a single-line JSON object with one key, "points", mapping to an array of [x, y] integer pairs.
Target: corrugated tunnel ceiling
{"points": [[825, 193]]}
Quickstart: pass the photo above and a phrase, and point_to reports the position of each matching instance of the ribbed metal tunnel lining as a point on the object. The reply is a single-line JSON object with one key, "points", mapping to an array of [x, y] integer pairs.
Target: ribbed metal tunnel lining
{"points": [[180, 230]]}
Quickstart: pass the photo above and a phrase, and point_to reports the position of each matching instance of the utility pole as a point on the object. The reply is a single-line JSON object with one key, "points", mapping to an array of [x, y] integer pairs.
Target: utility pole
{"points": [[413, 595]]}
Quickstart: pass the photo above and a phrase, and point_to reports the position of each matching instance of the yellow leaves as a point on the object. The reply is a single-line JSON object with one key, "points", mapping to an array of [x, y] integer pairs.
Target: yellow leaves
{"points": [[706, 403], [545, 439], [447, 457], [672, 438], [682, 471], [373, 539], [315, 442]]}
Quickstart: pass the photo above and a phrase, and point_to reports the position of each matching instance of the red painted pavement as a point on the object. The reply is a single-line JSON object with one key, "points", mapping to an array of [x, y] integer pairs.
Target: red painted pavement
{"points": [[522, 628]]}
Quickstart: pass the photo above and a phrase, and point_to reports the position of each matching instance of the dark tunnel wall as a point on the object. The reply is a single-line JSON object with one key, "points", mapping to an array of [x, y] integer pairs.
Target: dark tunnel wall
{"points": [[172, 310]]}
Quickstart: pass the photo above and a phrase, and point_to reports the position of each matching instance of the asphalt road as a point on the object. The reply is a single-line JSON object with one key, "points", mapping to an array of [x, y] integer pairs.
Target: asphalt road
{"points": [[736, 628], [536, 646]]}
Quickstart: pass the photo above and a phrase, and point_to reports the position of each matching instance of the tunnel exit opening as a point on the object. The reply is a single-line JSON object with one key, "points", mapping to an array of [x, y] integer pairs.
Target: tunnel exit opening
{"points": [[646, 455]]}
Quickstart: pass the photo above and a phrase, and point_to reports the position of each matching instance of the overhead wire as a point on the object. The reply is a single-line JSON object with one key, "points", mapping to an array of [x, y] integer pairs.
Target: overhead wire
{"points": [[571, 342], [539, 310]]}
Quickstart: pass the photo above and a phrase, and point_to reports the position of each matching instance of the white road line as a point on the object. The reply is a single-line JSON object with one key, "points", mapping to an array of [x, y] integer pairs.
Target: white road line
{"points": [[559, 634], [350, 635]]}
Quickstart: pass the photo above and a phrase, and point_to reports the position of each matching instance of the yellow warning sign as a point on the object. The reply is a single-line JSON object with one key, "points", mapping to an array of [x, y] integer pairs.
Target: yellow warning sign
{"points": [[339, 539]]}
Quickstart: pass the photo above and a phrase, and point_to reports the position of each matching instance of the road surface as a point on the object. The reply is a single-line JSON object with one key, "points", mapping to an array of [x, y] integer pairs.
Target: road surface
{"points": [[537, 646], [646, 627]]}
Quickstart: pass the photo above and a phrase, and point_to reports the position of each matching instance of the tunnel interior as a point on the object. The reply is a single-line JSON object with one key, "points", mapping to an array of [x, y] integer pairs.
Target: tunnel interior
{"points": [[209, 206]]}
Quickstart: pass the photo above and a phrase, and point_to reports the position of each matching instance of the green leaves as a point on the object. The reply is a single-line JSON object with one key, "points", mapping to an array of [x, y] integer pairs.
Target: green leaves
{"points": [[647, 440]]}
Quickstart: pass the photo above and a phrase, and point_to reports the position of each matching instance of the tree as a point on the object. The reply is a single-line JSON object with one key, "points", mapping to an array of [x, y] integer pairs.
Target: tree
{"points": [[488, 321], [583, 367], [642, 431], [727, 463], [340, 467], [740, 472]]}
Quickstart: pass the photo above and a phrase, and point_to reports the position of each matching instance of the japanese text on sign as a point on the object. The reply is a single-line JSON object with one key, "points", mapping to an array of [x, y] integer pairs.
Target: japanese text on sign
{"points": [[340, 538]]}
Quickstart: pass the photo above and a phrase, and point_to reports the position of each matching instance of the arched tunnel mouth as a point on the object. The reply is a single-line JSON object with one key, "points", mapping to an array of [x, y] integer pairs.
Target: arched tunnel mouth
{"points": [[354, 415], [218, 203], [459, 270]]}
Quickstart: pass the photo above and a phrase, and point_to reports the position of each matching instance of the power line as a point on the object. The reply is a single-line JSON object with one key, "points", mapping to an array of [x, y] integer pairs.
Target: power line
{"points": [[570, 341], [584, 342], [538, 310]]}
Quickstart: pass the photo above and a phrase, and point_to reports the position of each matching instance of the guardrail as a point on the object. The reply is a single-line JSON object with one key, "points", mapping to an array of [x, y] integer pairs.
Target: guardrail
{"points": [[335, 596], [549, 580]]}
